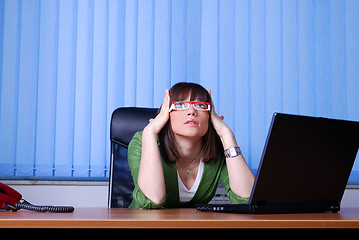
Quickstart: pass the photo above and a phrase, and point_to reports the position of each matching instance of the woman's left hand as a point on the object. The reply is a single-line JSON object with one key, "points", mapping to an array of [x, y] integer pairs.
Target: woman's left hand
{"points": [[241, 178], [217, 121]]}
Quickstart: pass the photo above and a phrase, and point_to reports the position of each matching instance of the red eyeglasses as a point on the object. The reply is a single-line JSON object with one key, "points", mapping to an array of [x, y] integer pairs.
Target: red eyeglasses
{"points": [[184, 105]]}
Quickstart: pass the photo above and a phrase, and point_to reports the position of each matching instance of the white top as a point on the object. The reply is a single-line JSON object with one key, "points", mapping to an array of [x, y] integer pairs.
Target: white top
{"points": [[185, 194]]}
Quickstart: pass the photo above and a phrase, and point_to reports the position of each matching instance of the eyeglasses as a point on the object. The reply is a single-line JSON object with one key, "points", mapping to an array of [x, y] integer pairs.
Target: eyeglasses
{"points": [[184, 105]]}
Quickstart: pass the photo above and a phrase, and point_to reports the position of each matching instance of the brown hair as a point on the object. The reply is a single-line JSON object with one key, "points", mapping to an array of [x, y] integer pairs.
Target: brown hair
{"points": [[212, 146]]}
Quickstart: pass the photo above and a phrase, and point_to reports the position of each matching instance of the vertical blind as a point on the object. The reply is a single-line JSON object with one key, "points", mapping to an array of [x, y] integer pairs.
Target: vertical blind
{"points": [[66, 65]]}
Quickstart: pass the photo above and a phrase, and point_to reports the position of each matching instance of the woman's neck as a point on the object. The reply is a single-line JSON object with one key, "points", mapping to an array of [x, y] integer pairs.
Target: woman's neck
{"points": [[188, 148]]}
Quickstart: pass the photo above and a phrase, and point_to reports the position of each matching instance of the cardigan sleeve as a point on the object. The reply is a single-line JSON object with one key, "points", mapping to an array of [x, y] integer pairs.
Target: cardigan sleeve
{"points": [[233, 198], [134, 158]]}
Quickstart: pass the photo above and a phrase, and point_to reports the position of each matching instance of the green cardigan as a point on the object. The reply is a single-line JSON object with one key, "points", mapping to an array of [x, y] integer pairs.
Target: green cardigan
{"points": [[212, 172]]}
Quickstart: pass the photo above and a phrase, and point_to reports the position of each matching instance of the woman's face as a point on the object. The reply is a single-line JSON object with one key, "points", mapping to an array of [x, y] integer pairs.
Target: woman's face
{"points": [[189, 122]]}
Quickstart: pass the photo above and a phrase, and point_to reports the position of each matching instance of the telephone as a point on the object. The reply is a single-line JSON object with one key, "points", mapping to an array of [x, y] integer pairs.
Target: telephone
{"points": [[10, 199]]}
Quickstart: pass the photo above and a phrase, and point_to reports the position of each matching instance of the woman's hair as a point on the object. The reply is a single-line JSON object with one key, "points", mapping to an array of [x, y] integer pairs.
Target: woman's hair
{"points": [[211, 146]]}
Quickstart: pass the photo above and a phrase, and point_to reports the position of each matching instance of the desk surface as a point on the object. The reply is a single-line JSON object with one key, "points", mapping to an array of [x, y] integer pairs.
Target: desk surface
{"points": [[174, 218]]}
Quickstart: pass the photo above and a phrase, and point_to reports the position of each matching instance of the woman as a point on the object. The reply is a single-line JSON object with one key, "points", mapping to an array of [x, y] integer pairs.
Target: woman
{"points": [[177, 160]]}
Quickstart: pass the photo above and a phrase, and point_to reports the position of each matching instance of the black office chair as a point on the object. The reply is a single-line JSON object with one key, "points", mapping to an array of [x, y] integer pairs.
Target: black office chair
{"points": [[125, 122]]}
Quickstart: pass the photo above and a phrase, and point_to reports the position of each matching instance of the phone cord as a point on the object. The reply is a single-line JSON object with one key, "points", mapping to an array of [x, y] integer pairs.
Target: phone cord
{"points": [[26, 205]]}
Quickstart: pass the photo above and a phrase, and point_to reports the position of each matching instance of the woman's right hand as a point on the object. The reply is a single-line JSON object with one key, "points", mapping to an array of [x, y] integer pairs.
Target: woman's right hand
{"points": [[156, 124], [150, 175]]}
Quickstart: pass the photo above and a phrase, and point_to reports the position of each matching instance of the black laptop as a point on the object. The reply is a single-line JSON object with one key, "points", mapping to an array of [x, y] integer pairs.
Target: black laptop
{"points": [[305, 166]]}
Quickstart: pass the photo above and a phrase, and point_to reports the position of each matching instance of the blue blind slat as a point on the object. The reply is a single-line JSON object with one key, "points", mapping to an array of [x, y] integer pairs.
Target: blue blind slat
{"points": [[241, 76], [351, 36], [46, 92], [130, 53], [98, 154], [27, 91], [66, 65], [144, 81], [83, 88], [62, 162], [162, 51], [178, 41], [9, 88], [225, 61], [209, 48]]}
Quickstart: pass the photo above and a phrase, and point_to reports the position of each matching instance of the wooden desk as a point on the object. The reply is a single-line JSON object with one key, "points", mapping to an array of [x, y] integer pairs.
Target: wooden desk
{"points": [[175, 218]]}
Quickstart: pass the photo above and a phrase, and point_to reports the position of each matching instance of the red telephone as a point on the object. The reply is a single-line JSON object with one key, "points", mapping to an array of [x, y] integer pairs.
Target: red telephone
{"points": [[10, 199]]}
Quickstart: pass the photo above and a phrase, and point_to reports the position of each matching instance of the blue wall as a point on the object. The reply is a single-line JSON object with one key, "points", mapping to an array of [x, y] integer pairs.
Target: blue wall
{"points": [[66, 65]]}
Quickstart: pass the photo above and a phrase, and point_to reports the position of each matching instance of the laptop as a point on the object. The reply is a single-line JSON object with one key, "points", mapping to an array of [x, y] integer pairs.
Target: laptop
{"points": [[305, 166]]}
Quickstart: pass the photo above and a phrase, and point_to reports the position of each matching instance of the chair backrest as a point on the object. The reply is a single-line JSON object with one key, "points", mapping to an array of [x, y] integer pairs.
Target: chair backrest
{"points": [[125, 122]]}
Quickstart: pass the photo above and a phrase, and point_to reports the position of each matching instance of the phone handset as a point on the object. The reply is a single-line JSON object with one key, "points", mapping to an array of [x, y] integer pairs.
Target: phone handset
{"points": [[10, 199]]}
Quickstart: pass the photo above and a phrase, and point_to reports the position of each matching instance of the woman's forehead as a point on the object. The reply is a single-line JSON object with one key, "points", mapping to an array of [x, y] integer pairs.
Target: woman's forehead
{"points": [[189, 95]]}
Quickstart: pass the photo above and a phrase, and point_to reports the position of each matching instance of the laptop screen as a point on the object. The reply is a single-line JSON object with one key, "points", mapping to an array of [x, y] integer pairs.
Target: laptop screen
{"points": [[305, 160]]}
